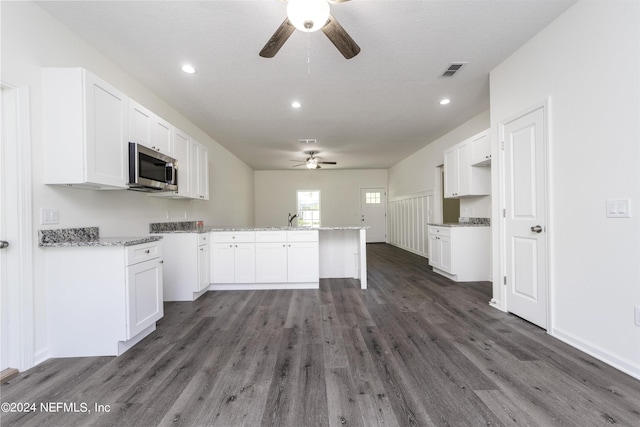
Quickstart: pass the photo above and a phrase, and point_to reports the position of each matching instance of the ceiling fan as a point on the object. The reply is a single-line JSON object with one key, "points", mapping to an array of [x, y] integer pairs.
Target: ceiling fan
{"points": [[312, 162], [309, 16]]}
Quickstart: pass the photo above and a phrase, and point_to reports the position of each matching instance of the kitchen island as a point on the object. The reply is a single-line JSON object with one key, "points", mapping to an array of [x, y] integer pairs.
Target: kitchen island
{"points": [[261, 257]]}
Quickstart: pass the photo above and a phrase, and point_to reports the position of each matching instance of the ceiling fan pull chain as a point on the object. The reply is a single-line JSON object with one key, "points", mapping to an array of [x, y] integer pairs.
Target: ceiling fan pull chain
{"points": [[309, 53]]}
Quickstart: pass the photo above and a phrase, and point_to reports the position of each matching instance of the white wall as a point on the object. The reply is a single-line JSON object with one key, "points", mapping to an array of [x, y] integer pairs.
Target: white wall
{"points": [[275, 194], [416, 173], [32, 39], [588, 63]]}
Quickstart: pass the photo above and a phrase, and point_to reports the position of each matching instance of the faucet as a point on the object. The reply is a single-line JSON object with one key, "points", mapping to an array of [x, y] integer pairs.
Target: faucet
{"points": [[291, 218]]}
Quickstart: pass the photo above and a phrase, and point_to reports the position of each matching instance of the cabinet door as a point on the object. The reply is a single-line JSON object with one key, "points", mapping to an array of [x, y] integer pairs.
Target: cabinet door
{"points": [[144, 296], [106, 161], [464, 169], [204, 275], [245, 262], [140, 124], [435, 251], [181, 150], [303, 262], [481, 149], [193, 168], [223, 263], [445, 254], [203, 172], [271, 262], [450, 173], [162, 136]]}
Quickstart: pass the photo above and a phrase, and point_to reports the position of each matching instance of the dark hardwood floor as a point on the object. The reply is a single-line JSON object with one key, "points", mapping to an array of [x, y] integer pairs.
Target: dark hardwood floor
{"points": [[413, 349]]}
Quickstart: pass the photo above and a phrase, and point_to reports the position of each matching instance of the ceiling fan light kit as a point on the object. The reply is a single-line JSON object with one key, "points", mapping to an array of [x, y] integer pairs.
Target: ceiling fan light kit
{"points": [[308, 15]]}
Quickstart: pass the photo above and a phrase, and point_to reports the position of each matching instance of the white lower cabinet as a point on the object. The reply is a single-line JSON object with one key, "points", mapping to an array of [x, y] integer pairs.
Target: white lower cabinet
{"points": [[271, 262], [233, 257], [460, 253], [289, 256], [102, 300], [186, 266], [279, 258]]}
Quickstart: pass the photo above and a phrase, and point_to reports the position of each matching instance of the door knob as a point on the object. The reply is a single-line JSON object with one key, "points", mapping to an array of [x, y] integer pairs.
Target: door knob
{"points": [[536, 229], [3, 244]]}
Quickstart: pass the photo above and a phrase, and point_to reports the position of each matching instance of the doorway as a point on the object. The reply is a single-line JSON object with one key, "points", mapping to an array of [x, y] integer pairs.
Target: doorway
{"points": [[16, 260], [373, 210], [525, 215]]}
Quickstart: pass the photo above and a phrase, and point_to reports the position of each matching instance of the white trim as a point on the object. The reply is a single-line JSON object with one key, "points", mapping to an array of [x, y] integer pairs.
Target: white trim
{"points": [[22, 330], [411, 196], [626, 366], [501, 303]]}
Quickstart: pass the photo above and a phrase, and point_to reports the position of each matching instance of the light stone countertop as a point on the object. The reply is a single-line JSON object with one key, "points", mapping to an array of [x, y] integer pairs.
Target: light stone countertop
{"points": [[86, 236]]}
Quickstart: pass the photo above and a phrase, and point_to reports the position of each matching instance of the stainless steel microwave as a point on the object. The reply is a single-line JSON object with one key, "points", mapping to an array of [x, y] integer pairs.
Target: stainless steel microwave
{"points": [[150, 170]]}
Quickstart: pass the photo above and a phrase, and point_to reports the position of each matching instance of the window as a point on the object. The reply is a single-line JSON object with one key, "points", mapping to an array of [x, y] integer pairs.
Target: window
{"points": [[309, 208], [372, 198]]}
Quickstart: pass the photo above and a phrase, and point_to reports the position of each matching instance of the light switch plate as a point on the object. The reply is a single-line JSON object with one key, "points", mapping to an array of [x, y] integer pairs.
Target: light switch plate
{"points": [[618, 208], [49, 216]]}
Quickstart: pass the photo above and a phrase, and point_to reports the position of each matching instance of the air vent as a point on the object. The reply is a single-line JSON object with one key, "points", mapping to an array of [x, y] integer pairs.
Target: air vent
{"points": [[307, 141], [453, 68]]}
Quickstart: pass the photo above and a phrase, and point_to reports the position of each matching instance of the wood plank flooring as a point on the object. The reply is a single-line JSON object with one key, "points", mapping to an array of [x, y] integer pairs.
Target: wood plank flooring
{"points": [[413, 349]]}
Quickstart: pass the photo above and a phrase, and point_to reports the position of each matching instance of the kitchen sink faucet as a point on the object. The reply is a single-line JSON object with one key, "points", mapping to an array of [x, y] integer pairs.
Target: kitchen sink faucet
{"points": [[290, 219]]}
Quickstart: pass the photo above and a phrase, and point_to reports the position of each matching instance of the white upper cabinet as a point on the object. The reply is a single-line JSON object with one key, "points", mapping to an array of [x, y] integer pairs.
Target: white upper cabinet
{"points": [[481, 149], [85, 130], [147, 129], [198, 170], [182, 155], [461, 177]]}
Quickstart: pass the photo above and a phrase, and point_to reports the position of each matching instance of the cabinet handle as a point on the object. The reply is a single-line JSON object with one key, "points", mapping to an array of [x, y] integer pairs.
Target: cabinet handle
{"points": [[201, 249], [230, 246], [161, 262], [147, 251]]}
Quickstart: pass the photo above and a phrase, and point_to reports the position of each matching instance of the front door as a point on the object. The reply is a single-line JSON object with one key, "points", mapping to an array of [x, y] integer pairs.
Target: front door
{"points": [[525, 216], [373, 207]]}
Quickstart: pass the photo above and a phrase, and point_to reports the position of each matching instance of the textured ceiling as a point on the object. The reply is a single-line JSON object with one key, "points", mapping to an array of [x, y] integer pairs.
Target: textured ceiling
{"points": [[367, 112]]}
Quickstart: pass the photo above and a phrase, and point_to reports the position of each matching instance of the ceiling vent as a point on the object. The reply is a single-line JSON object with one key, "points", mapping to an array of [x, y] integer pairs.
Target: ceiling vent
{"points": [[453, 68], [307, 141]]}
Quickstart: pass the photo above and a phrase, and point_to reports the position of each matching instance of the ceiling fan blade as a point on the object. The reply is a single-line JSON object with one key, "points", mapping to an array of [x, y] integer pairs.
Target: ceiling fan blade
{"points": [[327, 163], [278, 38], [295, 166], [339, 37]]}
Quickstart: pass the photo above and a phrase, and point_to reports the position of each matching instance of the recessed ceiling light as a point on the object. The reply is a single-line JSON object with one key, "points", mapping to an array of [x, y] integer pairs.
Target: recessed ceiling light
{"points": [[445, 101], [188, 68], [296, 104]]}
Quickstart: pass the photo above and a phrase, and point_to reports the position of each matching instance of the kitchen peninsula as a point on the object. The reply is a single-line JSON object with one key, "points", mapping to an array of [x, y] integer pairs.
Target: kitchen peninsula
{"points": [[258, 257]]}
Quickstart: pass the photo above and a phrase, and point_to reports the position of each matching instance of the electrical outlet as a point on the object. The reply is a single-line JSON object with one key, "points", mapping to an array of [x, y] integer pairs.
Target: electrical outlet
{"points": [[185, 215], [49, 216], [637, 315]]}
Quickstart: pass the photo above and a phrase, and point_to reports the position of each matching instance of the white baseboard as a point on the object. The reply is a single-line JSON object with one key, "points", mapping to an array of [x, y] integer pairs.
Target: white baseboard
{"points": [[261, 286], [623, 365], [39, 357]]}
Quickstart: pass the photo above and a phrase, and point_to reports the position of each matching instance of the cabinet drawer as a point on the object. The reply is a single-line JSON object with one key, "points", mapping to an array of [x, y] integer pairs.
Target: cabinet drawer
{"points": [[233, 236], [203, 239], [271, 236], [144, 252], [302, 236], [440, 231]]}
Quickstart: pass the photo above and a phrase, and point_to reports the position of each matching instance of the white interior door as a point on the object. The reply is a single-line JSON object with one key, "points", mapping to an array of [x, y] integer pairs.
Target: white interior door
{"points": [[373, 207], [4, 296], [525, 216]]}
